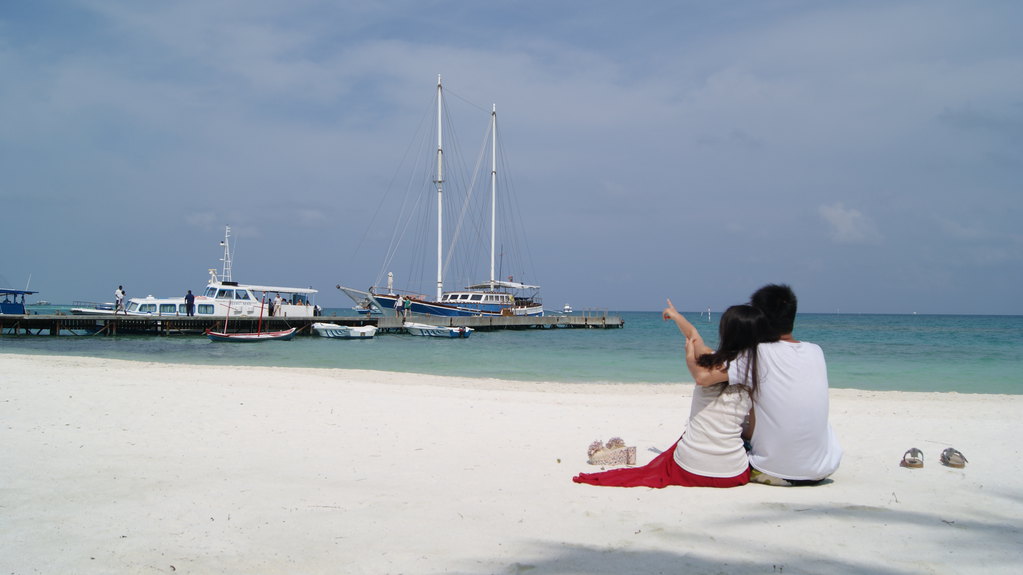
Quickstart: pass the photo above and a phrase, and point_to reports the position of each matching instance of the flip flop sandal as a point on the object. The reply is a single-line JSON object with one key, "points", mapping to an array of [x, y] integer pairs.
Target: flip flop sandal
{"points": [[953, 458], [913, 458]]}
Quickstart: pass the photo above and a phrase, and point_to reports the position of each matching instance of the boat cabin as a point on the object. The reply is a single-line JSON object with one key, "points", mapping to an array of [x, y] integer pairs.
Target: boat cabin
{"points": [[234, 299], [229, 293], [138, 307], [459, 298], [13, 302]]}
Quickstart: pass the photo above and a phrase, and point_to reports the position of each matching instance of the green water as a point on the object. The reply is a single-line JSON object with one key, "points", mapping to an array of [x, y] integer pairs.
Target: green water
{"points": [[969, 354]]}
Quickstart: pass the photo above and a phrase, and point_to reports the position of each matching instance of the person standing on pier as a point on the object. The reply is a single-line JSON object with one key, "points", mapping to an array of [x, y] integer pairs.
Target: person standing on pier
{"points": [[189, 303], [119, 300]]}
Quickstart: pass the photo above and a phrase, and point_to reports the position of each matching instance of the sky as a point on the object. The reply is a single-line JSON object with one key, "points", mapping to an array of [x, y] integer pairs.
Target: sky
{"points": [[869, 154]]}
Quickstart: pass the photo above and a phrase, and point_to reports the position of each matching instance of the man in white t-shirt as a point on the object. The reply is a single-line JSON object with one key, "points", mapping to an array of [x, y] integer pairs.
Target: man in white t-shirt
{"points": [[119, 299], [791, 440]]}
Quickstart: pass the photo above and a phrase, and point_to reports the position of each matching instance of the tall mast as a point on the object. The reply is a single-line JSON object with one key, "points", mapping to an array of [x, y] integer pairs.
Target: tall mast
{"points": [[440, 194], [493, 190], [225, 275]]}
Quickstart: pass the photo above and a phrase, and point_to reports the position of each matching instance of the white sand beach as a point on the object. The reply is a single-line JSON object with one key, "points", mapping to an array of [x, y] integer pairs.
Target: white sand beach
{"points": [[114, 466]]}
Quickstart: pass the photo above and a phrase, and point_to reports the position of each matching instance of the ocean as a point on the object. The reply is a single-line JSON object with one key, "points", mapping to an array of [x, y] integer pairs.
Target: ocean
{"points": [[943, 353]]}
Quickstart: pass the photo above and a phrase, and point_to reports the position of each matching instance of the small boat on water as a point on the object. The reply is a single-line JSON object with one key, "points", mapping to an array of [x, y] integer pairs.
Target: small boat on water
{"points": [[566, 309], [247, 337], [336, 331], [428, 330]]}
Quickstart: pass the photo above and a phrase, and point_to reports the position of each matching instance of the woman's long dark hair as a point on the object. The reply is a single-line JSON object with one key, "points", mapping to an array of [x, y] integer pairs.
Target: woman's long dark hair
{"points": [[742, 328]]}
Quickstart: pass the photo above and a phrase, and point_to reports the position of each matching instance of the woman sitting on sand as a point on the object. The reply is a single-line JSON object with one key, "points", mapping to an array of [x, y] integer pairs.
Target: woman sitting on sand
{"points": [[710, 452]]}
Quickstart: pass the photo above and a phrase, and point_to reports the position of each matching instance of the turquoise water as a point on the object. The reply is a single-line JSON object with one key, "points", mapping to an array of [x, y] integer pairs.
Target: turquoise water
{"points": [[968, 354]]}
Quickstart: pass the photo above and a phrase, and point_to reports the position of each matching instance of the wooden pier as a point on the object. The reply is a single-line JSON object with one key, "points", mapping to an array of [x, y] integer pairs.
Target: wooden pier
{"points": [[183, 325]]}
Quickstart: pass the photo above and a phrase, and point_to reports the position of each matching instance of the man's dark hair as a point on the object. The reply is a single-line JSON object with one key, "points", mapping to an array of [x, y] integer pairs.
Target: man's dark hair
{"points": [[778, 302]]}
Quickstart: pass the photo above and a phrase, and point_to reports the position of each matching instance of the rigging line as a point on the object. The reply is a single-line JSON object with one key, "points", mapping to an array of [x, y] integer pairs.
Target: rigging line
{"points": [[407, 213], [424, 205], [401, 228], [516, 221], [403, 218], [458, 188], [419, 264], [468, 198], [415, 144], [448, 92], [478, 224], [500, 263], [402, 222], [458, 222], [421, 219], [387, 193]]}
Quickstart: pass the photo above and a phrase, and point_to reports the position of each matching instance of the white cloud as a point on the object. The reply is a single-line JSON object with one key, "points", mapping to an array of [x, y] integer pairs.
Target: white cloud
{"points": [[849, 225], [660, 122]]}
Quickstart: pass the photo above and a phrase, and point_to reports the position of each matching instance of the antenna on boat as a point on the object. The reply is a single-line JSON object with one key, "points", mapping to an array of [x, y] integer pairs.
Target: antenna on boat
{"points": [[225, 275]]}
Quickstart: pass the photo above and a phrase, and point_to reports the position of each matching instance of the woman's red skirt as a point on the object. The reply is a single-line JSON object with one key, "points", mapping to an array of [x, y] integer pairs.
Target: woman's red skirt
{"points": [[661, 472]]}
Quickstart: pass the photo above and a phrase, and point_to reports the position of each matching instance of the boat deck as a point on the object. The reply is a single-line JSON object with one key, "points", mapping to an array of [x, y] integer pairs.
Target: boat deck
{"points": [[183, 325]]}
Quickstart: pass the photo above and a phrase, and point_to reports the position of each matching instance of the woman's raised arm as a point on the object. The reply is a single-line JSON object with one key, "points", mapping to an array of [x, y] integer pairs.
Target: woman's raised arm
{"points": [[688, 329], [695, 347]]}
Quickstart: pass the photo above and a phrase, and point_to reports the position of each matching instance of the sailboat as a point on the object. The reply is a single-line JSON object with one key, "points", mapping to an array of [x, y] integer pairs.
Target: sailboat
{"points": [[246, 336], [493, 297]]}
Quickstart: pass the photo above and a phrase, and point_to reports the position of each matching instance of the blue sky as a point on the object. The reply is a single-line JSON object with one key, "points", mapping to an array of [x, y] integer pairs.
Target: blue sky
{"points": [[870, 154]]}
